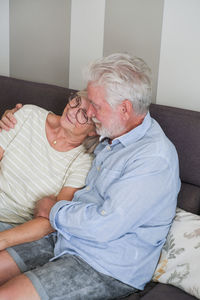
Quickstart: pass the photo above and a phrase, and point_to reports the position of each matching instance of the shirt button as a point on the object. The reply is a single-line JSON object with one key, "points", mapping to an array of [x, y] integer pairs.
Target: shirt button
{"points": [[108, 147], [88, 188], [98, 168], [103, 212]]}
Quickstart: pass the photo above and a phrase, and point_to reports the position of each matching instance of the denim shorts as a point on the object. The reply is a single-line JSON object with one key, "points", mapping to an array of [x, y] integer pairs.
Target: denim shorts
{"points": [[67, 277]]}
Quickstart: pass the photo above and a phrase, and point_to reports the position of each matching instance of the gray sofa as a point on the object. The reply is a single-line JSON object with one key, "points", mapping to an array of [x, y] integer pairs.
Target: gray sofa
{"points": [[180, 125]]}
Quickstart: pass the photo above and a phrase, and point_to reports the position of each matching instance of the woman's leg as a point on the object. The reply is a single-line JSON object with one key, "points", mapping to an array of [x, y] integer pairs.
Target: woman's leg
{"points": [[19, 259], [8, 267], [18, 288]]}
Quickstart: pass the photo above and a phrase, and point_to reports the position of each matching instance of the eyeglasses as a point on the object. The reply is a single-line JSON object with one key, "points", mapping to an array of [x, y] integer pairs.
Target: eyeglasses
{"points": [[81, 114]]}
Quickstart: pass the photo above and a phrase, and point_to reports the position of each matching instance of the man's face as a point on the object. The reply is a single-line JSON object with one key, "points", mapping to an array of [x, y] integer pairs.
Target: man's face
{"points": [[107, 120]]}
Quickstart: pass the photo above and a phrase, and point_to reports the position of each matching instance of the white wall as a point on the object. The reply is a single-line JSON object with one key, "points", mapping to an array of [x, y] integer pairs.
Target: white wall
{"points": [[179, 73], [4, 37], [39, 40], [41, 48], [134, 26], [87, 31]]}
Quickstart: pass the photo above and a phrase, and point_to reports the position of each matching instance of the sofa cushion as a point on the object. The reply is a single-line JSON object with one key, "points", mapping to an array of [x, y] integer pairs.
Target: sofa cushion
{"points": [[179, 263], [189, 198], [166, 292]]}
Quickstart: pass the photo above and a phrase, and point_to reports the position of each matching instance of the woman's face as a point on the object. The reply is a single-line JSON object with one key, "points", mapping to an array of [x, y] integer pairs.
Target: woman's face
{"points": [[75, 119]]}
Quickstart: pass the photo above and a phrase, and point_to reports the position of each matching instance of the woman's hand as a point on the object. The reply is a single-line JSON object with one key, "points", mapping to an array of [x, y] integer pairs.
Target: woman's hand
{"points": [[43, 206], [8, 120]]}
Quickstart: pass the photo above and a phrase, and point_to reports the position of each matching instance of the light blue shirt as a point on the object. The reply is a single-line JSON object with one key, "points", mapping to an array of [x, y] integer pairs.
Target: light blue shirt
{"points": [[118, 223]]}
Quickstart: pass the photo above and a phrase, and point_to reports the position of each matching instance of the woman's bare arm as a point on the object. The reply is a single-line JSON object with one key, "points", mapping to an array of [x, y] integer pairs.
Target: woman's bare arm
{"points": [[34, 229], [30, 231]]}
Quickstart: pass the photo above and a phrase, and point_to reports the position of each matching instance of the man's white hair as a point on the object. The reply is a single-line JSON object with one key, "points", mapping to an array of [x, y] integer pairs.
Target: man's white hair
{"points": [[123, 77]]}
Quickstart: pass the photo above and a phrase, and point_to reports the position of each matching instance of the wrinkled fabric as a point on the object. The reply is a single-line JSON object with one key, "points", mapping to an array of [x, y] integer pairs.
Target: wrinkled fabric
{"points": [[118, 223], [66, 278]]}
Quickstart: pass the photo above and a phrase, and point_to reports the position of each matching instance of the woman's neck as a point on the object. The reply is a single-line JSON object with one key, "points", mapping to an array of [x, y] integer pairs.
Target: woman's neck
{"points": [[60, 138]]}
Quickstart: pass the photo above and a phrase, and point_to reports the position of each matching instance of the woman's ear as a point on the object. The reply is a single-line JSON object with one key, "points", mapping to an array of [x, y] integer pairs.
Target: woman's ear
{"points": [[126, 109]]}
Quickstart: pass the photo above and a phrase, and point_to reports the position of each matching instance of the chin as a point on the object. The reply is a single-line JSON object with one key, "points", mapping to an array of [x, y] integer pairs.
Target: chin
{"points": [[111, 132]]}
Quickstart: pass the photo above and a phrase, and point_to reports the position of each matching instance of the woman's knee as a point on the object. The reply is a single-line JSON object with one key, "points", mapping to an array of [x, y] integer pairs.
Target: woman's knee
{"points": [[18, 288], [8, 267]]}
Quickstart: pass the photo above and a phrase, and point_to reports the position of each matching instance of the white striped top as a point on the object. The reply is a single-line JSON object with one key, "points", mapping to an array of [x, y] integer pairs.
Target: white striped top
{"points": [[31, 168]]}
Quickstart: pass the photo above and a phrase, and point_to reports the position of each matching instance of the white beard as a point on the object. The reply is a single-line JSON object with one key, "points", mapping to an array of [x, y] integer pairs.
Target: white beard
{"points": [[115, 128]]}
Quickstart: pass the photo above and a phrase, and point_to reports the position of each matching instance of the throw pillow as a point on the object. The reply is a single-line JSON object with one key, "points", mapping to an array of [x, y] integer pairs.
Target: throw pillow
{"points": [[179, 262]]}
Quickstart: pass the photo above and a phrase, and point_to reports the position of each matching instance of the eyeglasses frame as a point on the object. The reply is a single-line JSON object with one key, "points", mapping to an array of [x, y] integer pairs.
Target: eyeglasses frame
{"points": [[82, 110]]}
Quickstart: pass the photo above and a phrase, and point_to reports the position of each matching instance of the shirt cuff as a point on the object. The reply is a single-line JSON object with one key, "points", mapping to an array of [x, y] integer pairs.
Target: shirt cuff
{"points": [[54, 210]]}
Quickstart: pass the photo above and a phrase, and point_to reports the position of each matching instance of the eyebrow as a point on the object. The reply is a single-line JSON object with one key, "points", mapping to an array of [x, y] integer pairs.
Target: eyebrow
{"points": [[94, 104]]}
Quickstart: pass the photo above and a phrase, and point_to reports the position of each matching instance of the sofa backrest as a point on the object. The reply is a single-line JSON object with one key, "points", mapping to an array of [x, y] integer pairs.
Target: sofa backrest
{"points": [[180, 125], [51, 97]]}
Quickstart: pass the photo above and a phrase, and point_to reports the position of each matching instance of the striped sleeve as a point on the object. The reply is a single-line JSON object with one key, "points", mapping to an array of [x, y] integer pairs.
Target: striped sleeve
{"points": [[79, 170], [6, 137]]}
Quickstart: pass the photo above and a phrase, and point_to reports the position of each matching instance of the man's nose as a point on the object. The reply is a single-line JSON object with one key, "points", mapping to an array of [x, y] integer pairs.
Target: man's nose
{"points": [[91, 111]]}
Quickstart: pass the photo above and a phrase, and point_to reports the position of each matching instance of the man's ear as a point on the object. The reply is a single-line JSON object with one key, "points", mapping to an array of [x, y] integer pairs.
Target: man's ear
{"points": [[126, 109]]}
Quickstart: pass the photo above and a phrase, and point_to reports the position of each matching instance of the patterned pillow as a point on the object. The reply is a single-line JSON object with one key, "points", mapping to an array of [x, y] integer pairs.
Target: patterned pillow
{"points": [[179, 264]]}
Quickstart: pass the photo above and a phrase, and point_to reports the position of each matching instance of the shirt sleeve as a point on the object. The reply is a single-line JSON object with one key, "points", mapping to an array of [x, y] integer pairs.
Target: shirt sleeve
{"points": [[6, 137], [79, 170], [139, 194]]}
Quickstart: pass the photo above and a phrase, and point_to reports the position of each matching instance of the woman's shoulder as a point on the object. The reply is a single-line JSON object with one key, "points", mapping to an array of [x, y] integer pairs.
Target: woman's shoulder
{"points": [[53, 119]]}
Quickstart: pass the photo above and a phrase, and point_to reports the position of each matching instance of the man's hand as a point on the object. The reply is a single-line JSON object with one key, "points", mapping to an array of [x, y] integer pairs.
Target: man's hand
{"points": [[43, 206], [8, 120]]}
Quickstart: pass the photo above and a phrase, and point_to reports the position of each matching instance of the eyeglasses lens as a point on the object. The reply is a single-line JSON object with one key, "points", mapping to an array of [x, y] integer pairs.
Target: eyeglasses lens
{"points": [[81, 116], [74, 101]]}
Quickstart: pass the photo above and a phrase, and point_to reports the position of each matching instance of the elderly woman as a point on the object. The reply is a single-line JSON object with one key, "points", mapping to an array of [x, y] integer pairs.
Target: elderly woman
{"points": [[45, 154]]}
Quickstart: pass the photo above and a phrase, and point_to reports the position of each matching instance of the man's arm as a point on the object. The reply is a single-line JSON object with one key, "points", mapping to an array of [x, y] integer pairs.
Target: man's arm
{"points": [[44, 205], [37, 228], [8, 120], [121, 210]]}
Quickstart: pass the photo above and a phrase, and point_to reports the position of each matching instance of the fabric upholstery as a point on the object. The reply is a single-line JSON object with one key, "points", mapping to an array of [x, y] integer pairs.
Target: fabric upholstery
{"points": [[180, 125], [48, 96], [179, 262], [189, 198], [183, 129], [166, 292]]}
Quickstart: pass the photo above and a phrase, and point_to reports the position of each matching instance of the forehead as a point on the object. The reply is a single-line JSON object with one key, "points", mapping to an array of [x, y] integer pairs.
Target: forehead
{"points": [[82, 101], [96, 93]]}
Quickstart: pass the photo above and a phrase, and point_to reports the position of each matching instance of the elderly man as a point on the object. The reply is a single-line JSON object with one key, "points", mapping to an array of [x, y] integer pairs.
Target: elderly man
{"points": [[109, 237]]}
